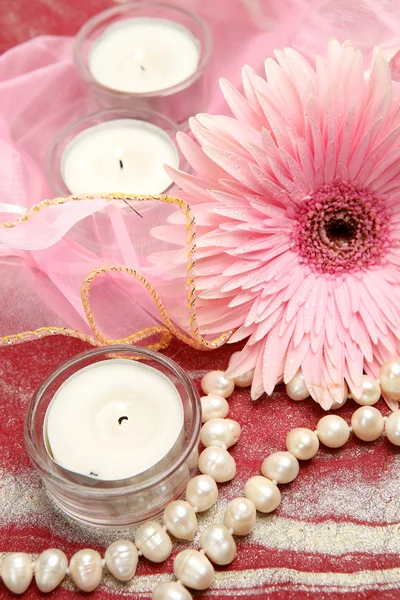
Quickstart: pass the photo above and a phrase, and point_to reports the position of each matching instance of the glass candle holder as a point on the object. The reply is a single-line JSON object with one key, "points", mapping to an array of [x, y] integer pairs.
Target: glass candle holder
{"points": [[114, 151], [124, 502], [161, 51]]}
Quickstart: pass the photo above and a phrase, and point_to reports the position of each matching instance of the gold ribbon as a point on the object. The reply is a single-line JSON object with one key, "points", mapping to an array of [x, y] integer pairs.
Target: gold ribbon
{"points": [[163, 332]]}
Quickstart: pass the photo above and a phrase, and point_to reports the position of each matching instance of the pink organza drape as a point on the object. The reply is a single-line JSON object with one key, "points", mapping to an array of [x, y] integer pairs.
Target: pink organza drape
{"points": [[44, 261]]}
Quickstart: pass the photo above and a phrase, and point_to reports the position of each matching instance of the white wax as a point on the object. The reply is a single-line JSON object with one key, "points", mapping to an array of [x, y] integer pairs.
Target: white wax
{"points": [[123, 155], [85, 433], [142, 55]]}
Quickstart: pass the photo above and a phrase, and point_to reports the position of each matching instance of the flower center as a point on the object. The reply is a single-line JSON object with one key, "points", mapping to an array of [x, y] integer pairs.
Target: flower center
{"points": [[342, 228]]}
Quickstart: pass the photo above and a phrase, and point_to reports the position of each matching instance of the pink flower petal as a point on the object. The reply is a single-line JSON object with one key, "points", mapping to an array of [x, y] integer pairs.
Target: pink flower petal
{"points": [[297, 208]]}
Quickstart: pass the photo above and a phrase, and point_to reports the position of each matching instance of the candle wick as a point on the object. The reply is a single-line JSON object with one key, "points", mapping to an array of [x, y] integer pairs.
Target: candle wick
{"points": [[142, 67], [95, 474], [122, 419], [121, 164]]}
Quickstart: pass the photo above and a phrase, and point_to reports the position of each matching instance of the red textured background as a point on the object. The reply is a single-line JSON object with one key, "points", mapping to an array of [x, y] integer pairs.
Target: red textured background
{"points": [[336, 532]]}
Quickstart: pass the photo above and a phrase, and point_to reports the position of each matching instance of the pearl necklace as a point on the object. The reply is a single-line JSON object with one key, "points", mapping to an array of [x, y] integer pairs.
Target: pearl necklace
{"points": [[193, 568]]}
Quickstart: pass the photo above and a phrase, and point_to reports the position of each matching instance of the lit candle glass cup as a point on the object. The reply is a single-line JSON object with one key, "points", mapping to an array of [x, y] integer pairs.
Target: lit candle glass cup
{"points": [[146, 55], [114, 502], [114, 151]]}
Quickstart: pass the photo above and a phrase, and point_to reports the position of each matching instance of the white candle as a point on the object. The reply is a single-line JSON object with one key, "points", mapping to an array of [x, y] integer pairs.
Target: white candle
{"points": [[113, 420], [122, 155], [142, 55]]}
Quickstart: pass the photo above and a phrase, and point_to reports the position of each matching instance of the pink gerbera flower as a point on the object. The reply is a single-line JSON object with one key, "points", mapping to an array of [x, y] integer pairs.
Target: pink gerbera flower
{"points": [[297, 204]]}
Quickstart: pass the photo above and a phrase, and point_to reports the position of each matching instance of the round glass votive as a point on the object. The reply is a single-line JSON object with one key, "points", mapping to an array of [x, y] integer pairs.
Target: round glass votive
{"points": [[114, 151], [123, 502], [146, 55]]}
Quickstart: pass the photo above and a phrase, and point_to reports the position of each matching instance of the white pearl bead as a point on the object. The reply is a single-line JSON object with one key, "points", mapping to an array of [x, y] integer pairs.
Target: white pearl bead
{"points": [[367, 423], [389, 376], [333, 431], [282, 467], [218, 544], [180, 519], [50, 569], [392, 428], [202, 492], [213, 407], [17, 572], [296, 389], [302, 443], [244, 380], [171, 590], [264, 494], [217, 463], [216, 383], [86, 569], [193, 569], [240, 516], [233, 356], [153, 542], [121, 559], [371, 392], [220, 432]]}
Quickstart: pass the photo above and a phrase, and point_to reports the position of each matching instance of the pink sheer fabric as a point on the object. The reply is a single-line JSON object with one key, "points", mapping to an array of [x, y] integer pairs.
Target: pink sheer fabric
{"points": [[45, 260]]}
